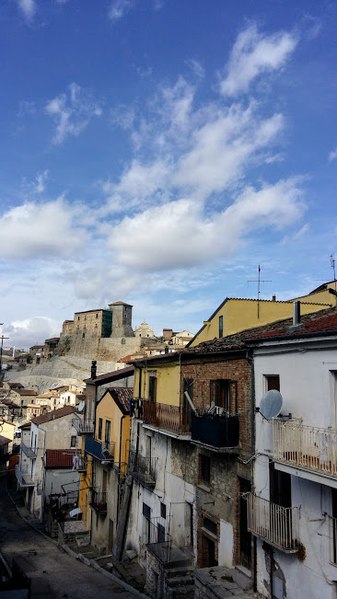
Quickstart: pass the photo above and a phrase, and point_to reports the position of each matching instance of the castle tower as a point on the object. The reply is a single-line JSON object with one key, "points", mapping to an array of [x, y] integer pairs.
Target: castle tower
{"points": [[121, 319]]}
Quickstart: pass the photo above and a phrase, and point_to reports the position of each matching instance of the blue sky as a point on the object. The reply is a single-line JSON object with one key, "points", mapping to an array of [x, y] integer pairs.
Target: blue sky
{"points": [[158, 151]]}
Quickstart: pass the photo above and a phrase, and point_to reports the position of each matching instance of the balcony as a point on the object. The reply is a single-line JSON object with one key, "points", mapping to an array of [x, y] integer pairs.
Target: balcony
{"points": [[307, 447], [83, 427], [171, 419], [79, 463], [104, 452], [23, 477], [219, 431], [28, 451], [99, 502], [273, 523], [142, 469]]}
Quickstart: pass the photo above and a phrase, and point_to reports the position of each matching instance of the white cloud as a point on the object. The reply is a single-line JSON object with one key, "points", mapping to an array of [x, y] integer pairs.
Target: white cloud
{"points": [[181, 234], [138, 182], [119, 8], [332, 155], [28, 9], [72, 112], [33, 231], [40, 181], [253, 54], [223, 147], [196, 68], [32, 331]]}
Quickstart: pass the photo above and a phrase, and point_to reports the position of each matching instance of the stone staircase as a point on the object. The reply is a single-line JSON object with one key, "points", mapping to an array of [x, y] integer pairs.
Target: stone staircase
{"points": [[219, 582], [172, 568]]}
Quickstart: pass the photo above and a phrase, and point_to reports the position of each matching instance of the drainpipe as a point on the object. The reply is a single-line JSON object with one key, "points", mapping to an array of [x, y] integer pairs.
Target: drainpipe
{"points": [[250, 359]]}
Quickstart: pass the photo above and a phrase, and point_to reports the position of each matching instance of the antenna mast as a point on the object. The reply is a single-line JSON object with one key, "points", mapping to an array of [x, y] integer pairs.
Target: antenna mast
{"points": [[259, 281], [333, 266]]}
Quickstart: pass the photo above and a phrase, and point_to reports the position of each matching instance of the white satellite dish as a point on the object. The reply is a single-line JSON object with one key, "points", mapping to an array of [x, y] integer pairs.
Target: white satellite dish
{"points": [[80, 406], [271, 404]]}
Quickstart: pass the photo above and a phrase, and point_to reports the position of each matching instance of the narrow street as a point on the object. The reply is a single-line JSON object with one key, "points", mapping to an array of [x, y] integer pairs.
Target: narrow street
{"points": [[53, 573]]}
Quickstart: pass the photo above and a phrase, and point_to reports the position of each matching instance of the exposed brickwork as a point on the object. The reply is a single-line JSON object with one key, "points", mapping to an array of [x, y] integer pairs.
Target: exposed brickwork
{"points": [[220, 498]]}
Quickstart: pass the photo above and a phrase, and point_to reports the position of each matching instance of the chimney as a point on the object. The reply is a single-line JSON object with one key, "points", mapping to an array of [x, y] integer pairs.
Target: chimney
{"points": [[296, 313]]}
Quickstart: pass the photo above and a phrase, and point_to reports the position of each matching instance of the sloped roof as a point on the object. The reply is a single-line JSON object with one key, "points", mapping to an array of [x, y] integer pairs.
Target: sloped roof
{"points": [[4, 441], [317, 323], [59, 458], [109, 377], [122, 397], [26, 392], [59, 413]]}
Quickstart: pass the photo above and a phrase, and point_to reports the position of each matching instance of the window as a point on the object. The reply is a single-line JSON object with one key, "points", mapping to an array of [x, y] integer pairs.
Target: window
{"points": [[220, 393], [146, 511], [204, 469], [220, 326], [161, 533], [163, 510], [272, 382], [73, 440], [152, 387], [100, 426], [210, 526], [107, 431], [146, 523]]}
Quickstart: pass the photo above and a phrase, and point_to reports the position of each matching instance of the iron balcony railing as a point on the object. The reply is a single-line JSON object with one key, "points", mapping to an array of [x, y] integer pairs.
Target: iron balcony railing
{"points": [[79, 463], [217, 430], [274, 523], [142, 469], [99, 502], [307, 447], [165, 416], [83, 427], [100, 450]]}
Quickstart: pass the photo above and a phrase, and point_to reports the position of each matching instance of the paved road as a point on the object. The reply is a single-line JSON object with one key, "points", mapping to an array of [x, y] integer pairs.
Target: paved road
{"points": [[54, 574]]}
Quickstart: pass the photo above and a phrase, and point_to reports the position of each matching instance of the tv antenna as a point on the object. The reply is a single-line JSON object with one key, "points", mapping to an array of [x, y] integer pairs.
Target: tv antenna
{"points": [[333, 266], [259, 281]]}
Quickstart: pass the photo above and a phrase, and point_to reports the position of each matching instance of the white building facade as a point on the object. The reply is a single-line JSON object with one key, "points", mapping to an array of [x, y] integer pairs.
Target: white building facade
{"points": [[293, 510]]}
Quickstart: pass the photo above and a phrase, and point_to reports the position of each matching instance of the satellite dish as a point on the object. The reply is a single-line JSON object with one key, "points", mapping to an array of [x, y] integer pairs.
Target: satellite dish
{"points": [[80, 406], [271, 404]]}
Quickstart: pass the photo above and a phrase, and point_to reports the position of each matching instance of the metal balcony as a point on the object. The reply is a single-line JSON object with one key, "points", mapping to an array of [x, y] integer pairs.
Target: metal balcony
{"points": [[104, 452], [79, 463], [171, 419], [277, 525], [99, 502], [313, 449], [220, 431], [28, 451], [83, 427], [142, 469], [23, 477]]}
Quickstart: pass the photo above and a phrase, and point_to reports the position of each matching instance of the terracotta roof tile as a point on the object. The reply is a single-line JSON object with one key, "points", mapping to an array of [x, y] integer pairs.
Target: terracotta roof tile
{"points": [[324, 321], [122, 397], [59, 413], [59, 458]]}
